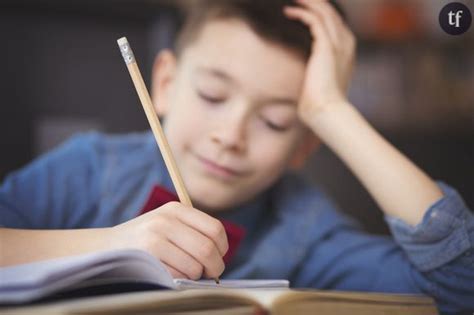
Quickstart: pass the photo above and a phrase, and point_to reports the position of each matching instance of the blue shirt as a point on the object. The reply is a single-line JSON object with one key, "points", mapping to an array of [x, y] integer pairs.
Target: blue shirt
{"points": [[293, 230]]}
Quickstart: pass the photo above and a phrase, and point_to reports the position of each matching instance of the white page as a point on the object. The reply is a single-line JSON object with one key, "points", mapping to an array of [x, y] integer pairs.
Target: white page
{"points": [[232, 284], [31, 281]]}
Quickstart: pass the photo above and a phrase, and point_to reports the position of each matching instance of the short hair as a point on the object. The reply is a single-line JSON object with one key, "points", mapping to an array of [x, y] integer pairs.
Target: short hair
{"points": [[265, 18]]}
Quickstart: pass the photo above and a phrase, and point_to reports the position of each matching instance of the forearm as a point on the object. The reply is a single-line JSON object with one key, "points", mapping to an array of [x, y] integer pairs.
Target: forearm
{"points": [[399, 187], [23, 246]]}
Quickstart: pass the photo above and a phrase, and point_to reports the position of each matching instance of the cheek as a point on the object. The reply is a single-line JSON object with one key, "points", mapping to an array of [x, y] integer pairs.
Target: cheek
{"points": [[182, 122], [271, 155]]}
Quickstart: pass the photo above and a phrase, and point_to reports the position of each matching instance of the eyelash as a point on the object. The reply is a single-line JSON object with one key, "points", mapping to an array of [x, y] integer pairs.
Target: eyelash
{"points": [[209, 99], [274, 127], [268, 123]]}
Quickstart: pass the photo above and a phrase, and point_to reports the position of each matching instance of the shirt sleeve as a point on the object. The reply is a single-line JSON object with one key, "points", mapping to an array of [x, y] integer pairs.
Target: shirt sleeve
{"points": [[445, 232], [441, 247], [56, 189], [434, 258]]}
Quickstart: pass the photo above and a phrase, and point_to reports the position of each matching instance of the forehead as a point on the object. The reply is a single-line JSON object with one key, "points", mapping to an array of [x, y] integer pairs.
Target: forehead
{"points": [[231, 46]]}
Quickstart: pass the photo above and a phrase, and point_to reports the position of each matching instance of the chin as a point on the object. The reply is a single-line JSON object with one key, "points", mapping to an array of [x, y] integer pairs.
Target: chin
{"points": [[211, 207], [212, 199]]}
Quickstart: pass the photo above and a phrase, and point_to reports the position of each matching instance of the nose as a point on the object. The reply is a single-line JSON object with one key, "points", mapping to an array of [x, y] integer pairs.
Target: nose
{"points": [[229, 131]]}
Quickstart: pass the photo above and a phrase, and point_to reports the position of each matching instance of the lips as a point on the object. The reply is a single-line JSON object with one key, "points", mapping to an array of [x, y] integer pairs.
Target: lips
{"points": [[218, 169]]}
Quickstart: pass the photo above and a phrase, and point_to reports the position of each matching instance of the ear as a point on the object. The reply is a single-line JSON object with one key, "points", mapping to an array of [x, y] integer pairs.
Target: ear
{"points": [[163, 74], [308, 145]]}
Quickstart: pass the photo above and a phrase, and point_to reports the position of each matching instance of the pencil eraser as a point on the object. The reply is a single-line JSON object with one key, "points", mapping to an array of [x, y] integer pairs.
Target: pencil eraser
{"points": [[122, 41], [126, 50]]}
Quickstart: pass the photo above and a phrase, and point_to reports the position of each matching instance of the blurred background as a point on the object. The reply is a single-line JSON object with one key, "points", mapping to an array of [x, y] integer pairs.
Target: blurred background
{"points": [[62, 73]]}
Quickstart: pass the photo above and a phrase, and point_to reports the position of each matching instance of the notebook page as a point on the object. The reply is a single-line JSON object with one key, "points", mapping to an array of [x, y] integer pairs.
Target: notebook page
{"points": [[232, 284], [31, 281]]}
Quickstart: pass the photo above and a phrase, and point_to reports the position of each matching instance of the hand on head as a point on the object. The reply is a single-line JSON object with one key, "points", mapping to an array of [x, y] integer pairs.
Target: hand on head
{"points": [[330, 65]]}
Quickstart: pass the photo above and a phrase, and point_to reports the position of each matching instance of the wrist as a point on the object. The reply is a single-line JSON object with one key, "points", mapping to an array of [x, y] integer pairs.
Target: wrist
{"points": [[114, 238], [328, 117]]}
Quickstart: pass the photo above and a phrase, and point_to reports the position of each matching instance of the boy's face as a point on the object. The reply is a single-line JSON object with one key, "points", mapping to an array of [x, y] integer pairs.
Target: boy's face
{"points": [[230, 112]]}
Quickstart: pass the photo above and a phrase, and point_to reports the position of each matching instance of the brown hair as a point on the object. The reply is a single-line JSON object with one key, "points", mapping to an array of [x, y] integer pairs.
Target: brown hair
{"points": [[265, 17]]}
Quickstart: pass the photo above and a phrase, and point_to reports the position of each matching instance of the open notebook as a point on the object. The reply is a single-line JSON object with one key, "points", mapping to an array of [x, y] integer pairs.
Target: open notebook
{"points": [[125, 271], [101, 273]]}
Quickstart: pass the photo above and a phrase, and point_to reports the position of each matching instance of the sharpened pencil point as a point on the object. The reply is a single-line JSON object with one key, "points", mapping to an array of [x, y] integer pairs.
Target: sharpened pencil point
{"points": [[217, 280]]}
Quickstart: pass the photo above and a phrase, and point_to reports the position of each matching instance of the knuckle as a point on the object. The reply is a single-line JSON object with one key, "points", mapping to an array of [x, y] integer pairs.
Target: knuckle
{"points": [[162, 209], [151, 244], [217, 230], [217, 270], [220, 268], [351, 39], [172, 206], [195, 271], [207, 250], [226, 246], [175, 274], [161, 222]]}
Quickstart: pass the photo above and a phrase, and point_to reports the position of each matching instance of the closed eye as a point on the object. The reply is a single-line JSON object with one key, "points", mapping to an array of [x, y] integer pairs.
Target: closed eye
{"points": [[209, 98], [274, 126]]}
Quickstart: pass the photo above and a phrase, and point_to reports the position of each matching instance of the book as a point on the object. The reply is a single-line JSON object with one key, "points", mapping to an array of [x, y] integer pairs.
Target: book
{"points": [[159, 293], [238, 301]]}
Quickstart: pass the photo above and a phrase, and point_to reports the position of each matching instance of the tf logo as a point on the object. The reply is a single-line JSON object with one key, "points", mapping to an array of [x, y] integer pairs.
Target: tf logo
{"points": [[455, 18]]}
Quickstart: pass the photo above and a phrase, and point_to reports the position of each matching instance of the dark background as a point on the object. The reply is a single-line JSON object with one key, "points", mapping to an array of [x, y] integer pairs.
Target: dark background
{"points": [[62, 73]]}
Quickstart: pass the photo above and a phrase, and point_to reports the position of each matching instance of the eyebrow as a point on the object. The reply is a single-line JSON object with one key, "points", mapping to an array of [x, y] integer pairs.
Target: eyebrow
{"points": [[281, 100], [216, 73], [229, 79]]}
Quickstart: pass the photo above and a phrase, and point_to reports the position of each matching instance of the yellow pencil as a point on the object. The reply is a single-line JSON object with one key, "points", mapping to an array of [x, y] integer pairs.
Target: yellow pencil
{"points": [[154, 122]]}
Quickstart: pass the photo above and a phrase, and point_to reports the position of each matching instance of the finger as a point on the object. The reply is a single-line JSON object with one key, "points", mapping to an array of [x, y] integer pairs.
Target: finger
{"points": [[342, 30], [330, 18], [342, 37], [315, 5], [312, 21], [175, 273], [199, 246], [207, 225], [180, 261]]}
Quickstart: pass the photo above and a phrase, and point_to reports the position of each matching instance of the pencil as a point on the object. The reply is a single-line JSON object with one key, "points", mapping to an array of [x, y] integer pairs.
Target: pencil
{"points": [[154, 122]]}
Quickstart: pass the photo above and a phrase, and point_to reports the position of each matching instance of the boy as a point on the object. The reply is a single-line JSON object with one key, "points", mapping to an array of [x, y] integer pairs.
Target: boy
{"points": [[250, 87]]}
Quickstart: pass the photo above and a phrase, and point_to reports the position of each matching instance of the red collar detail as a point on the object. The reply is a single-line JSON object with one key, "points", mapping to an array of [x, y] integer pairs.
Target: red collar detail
{"points": [[235, 233], [158, 197]]}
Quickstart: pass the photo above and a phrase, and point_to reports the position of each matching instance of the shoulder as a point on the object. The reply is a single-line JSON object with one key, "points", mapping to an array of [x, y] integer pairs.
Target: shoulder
{"points": [[101, 157], [130, 158], [107, 147], [103, 142]]}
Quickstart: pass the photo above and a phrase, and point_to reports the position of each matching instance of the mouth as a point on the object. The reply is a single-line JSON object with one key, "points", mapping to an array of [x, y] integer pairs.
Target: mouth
{"points": [[218, 170]]}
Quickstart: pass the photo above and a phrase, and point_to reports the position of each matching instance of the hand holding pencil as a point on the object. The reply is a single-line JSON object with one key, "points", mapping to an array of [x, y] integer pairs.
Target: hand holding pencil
{"points": [[154, 122]]}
